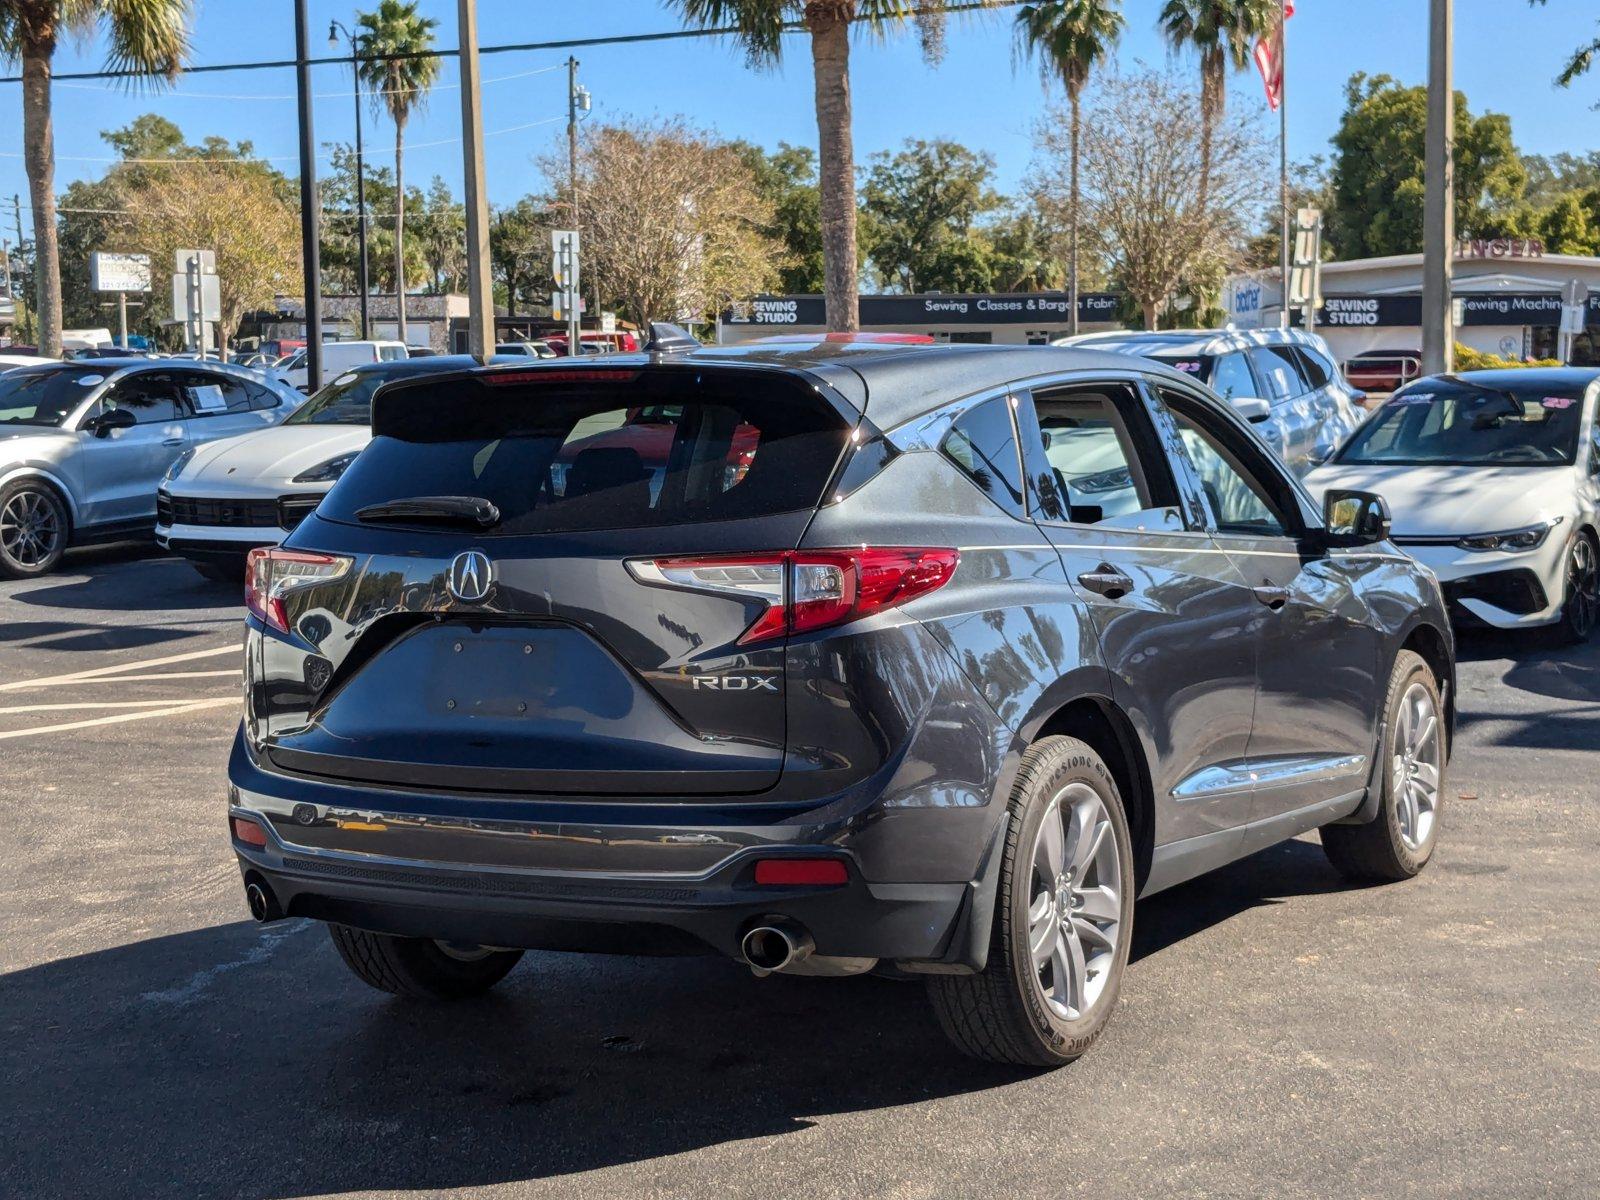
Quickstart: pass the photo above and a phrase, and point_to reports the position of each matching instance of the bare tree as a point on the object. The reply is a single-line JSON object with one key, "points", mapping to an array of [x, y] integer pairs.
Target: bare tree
{"points": [[672, 221], [1141, 206], [235, 209]]}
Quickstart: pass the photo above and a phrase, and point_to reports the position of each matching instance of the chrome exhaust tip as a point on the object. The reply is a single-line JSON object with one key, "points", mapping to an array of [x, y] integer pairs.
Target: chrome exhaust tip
{"points": [[775, 945], [263, 907]]}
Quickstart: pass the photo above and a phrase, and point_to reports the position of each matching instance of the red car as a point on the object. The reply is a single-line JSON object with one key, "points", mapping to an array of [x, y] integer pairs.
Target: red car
{"points": [[1383, 370]]}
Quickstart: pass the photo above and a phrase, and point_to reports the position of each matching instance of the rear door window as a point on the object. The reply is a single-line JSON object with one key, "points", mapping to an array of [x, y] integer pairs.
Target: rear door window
{"points": [[1279, 372], [152, 397], [1318, 371], [667, 451], [1098, 450], [983, 444], [1230, 376]]}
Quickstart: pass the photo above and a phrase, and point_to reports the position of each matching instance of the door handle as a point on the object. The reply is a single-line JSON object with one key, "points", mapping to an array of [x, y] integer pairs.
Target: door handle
{"points": [[1273, 597], [1107, 581], [172, 441]]}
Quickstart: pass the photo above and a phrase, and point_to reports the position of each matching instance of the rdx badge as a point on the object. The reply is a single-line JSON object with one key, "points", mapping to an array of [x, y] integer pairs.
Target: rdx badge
{"points": [[735, 683]]}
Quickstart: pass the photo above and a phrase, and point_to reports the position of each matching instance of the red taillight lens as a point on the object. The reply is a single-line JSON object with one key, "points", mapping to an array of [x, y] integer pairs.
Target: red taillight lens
{"points": [[271, 573], [810, 589], [791, 872], [249, 833], [557, 375]]}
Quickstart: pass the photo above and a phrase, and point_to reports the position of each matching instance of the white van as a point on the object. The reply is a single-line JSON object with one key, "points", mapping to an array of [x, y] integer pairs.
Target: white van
{"points": [[338, 357]]}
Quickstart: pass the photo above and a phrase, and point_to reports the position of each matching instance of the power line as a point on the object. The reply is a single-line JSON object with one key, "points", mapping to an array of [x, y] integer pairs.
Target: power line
{"points": [[437, 87], [619, 39]]}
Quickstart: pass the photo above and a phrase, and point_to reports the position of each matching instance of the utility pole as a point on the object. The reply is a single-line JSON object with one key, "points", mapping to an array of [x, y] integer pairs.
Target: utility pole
{"points": [[335, 28], [1438, 214], [480, 293], [27, 321], [574, 319], [310, 204], [1283, 154]]}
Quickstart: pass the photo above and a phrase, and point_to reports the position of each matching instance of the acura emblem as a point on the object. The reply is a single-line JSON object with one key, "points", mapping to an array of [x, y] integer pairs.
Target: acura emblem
{"points": [[471, 573]]}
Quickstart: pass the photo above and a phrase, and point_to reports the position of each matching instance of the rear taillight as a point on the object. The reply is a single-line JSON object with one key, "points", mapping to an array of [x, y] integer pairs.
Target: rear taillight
{"points": [[271, 573], [809, 589]]}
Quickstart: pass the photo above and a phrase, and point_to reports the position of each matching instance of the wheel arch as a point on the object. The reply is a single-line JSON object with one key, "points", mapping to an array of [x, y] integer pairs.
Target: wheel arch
{"points": [[1437, 649], [51, 480]]}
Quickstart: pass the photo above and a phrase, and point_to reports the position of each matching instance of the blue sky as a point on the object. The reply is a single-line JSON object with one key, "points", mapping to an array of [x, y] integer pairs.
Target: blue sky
{"points": [[1507, 55]]}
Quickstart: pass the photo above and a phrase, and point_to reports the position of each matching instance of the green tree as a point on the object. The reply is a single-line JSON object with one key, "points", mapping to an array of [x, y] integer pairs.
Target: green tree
{"points": [[925, 201], [1223, 32], [1379, 161], [393, 45], [444, 239], [147, 37], [1070, 37], [519, 253], [787, 180], [760, 26]]}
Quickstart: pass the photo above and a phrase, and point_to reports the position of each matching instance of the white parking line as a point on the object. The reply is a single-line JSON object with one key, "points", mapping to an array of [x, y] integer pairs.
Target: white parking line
{"points": [[171, 711], [156, 678], [25, 708], [121, 668]]}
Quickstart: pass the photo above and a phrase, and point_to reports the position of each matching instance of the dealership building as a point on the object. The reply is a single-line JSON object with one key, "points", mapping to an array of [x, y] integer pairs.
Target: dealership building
{"points": [[1507, 291], [1009, 318]]}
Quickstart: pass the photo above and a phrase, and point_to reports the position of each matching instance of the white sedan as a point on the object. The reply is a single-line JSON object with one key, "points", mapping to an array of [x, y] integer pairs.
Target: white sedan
{"points": [[221, 500], [1493, 480]]}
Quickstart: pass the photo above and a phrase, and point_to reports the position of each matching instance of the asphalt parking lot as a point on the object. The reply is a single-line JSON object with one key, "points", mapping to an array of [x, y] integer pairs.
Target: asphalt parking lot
{"points": [[1280, 1033]]}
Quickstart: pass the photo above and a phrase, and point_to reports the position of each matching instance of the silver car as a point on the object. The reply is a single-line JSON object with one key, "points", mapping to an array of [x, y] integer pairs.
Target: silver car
{"points": [[83, 445], [1284, 381]]}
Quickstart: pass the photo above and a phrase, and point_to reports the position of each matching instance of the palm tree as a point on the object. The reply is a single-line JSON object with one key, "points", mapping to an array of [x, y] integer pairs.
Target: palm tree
{"points": [[1224, 32], [760, 25], [149, 39], [393, 46], [1070, 37]]}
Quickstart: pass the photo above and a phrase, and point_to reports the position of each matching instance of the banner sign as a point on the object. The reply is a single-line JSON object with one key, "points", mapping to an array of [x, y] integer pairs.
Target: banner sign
{"points": [[1495, 308], [1020, 308]]}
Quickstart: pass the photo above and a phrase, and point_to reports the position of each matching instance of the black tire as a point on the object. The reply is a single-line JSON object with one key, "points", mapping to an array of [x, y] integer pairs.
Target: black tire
{"points": [[419, 968], [1581, 610], [1001, 1014], [31, 510], [1376, 851], [220, 570]]}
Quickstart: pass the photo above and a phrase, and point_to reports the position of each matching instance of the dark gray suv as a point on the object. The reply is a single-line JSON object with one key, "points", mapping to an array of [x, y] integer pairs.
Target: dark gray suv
{"points": [[823, 657]]}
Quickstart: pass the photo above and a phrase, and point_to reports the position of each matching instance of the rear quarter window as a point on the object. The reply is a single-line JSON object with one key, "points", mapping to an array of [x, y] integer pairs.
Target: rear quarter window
{"points": [[658, 450]]}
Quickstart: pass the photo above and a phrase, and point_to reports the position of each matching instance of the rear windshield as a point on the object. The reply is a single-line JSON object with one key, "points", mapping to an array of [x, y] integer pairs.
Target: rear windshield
{"points": [[663, 449], [1455, 422]]}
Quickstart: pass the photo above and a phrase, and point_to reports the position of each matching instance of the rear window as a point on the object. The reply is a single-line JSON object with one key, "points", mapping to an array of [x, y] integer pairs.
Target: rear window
{"points": [[664, 448]]}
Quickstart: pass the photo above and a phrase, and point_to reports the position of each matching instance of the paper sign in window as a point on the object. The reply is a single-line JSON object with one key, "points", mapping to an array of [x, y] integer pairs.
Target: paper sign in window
{"points": [[208, 398]]}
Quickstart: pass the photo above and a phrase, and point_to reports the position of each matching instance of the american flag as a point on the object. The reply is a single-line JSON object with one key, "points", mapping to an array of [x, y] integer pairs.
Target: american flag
{"points": [[1269, 60]]}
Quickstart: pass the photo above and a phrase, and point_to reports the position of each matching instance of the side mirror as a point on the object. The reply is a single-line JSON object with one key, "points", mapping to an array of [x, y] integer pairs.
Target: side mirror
{"points": [[1357, 396], [111, 418], [1251, 408], [1355, 518]]}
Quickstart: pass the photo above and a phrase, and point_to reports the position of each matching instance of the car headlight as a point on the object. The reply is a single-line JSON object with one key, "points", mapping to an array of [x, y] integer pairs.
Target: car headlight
{"points": [[327, 472], [1527, 538], [178, 465]]}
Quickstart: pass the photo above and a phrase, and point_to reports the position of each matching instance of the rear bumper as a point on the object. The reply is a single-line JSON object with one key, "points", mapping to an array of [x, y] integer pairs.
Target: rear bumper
{"points": [[566, 884]]}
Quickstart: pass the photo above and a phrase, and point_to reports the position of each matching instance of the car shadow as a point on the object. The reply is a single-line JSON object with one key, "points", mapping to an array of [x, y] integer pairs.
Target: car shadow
{"points": [[243, 1060], [69, 635], [1539, 666], [130, 577]]}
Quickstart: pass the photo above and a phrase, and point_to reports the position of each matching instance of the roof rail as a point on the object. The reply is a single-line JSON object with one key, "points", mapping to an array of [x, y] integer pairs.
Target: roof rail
{"points": [[667, 338]]}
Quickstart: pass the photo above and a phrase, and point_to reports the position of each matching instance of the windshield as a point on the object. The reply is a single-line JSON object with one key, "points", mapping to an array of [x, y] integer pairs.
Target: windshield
{"points": [[345, 401], [1442, 422], [46, 398]]}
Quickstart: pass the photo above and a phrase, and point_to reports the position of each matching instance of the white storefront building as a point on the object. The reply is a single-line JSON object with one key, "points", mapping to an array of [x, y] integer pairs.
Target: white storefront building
{"points": [[1508, 294]]}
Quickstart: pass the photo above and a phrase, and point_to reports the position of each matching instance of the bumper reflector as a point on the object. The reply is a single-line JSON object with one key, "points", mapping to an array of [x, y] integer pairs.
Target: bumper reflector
{"points": [[249, 833], [793, 871]]}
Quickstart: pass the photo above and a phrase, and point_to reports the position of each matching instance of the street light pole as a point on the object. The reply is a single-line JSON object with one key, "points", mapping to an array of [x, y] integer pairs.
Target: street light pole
{"points": [[310, 216], [1438, 216], [480, 295], [335, 28]]}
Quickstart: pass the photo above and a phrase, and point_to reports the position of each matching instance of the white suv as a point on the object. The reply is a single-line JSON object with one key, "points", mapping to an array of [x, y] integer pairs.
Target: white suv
{"points": [[1284, 381]]}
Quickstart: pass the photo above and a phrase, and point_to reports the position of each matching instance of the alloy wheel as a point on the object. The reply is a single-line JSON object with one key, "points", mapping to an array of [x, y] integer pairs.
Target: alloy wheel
{"points": [[1416, 766], [1583, 587], [1075, 908], [30, 528]]}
